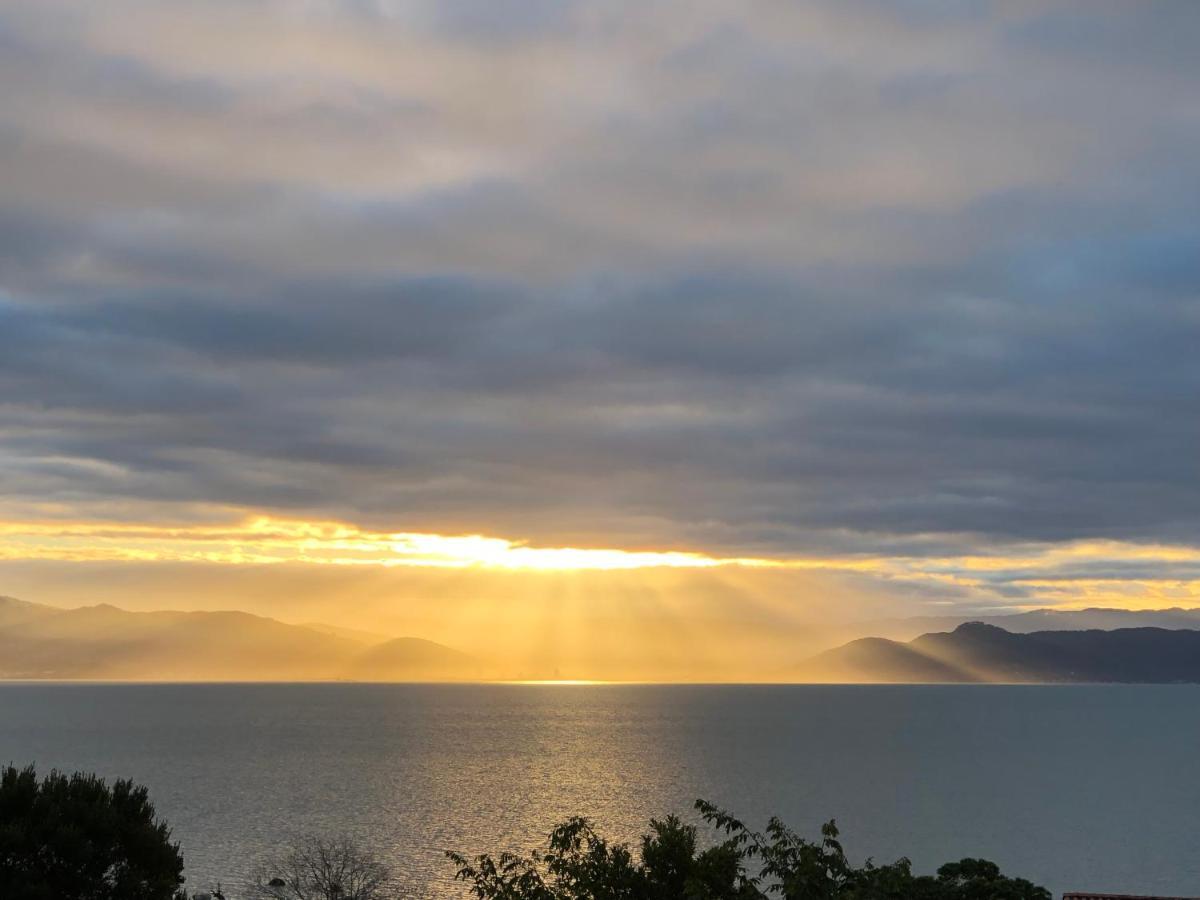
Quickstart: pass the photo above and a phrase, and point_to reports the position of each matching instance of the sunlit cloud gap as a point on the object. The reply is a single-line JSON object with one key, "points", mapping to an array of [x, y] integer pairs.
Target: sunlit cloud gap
{"points": [[269, 540]]}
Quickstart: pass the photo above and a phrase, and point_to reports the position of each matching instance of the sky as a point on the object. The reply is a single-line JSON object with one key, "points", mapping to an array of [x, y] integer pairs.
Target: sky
{"points": [[441, 317]]}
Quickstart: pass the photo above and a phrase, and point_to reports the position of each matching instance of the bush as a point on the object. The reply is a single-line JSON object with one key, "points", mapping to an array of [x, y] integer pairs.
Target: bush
{"points": [[742, 865], [76, 838], [320, 869]]}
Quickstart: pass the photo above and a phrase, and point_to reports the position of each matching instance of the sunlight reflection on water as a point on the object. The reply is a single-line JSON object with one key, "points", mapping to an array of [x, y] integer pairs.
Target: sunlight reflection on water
{"points": [[1077, 787]]}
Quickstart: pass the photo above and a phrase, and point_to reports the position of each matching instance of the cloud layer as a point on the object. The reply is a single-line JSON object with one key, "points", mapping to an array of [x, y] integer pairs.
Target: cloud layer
{"points": [[785, 279]]}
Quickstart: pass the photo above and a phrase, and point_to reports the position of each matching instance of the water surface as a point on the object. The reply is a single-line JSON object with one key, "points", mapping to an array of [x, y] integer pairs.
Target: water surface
{"points": [[1076, 787]]}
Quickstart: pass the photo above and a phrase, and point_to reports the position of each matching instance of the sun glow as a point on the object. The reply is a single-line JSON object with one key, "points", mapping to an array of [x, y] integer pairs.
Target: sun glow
{"points": [[264, 539], [1062, 575], [560, 682]]}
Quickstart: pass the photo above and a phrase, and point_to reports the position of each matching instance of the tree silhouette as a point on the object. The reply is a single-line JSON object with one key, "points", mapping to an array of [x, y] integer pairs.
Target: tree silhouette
{"points": [[741, 865], [322, 869], [78, 838]]}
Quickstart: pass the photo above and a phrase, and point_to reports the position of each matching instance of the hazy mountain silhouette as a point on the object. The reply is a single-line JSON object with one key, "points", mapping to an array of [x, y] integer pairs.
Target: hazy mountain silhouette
{"points": [[353, 634], [14, 611], [105, 642], [406, 659], [1106, 619], [979, 652], [1097, 618]]}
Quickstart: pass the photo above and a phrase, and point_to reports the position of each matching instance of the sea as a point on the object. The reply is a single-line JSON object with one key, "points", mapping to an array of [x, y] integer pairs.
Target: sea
{"points": [[1080, 788]]}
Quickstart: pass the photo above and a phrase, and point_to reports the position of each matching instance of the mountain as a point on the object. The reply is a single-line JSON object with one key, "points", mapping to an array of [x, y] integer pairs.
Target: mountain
{"points": [[14, 611], [105, 642], [979, 652], [870, 660], [1105, 619], [353, 634], [409, 659], [905, 629]]}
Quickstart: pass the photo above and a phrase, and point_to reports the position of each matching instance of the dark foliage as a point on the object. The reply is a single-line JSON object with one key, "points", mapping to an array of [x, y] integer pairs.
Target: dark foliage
{"points": [[78, 838], [742, 865], [322, 869]]}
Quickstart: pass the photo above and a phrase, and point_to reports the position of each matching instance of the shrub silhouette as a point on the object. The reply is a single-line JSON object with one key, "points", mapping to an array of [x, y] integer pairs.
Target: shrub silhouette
{"points": [[742, 865], [77, 838], [315, 868]]}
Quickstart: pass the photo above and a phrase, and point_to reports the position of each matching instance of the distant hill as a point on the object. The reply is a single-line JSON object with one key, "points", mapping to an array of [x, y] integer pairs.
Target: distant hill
{"points": [[979, 652], [1101, 618], [353, 634], [14, 611], [905, 629], [105, 642], [406, 659]]}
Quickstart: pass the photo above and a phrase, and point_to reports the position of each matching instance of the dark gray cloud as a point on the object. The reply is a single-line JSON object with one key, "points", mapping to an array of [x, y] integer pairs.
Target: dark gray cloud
{"points": [[834, 277]]}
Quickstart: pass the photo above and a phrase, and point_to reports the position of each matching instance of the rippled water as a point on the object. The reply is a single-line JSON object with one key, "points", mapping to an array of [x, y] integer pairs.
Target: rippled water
{"points": [[1092, 788]]}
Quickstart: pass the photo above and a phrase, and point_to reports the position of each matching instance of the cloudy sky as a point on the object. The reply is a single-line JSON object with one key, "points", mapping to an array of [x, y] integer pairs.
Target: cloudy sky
{"points": [[884, 300]]}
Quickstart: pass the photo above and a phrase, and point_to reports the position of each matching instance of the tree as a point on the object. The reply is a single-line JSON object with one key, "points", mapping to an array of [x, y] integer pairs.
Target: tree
{"points": [[319, 869], [979, 879], [742, 865], [78, 838]]}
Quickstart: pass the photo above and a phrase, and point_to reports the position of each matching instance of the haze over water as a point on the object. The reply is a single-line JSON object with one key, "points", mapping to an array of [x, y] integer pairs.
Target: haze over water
{"points": [[1077, 788]]}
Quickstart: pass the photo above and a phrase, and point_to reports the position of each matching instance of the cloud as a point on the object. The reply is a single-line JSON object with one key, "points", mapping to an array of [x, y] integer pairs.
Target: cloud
{"points": [[780, 599], [762, 281]]}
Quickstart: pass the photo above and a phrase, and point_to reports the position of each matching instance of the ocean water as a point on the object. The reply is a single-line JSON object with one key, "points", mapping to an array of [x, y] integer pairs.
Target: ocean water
{"points": [[1076, 787]]}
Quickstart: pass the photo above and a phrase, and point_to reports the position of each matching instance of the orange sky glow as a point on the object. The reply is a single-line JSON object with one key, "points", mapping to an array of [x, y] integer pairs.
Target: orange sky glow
{"points": [[269, 540]]}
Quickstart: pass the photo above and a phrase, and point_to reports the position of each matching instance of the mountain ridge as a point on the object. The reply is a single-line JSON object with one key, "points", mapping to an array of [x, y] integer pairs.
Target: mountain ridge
{"points": [[978, 652], [1027, 621], [105, 642]]}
